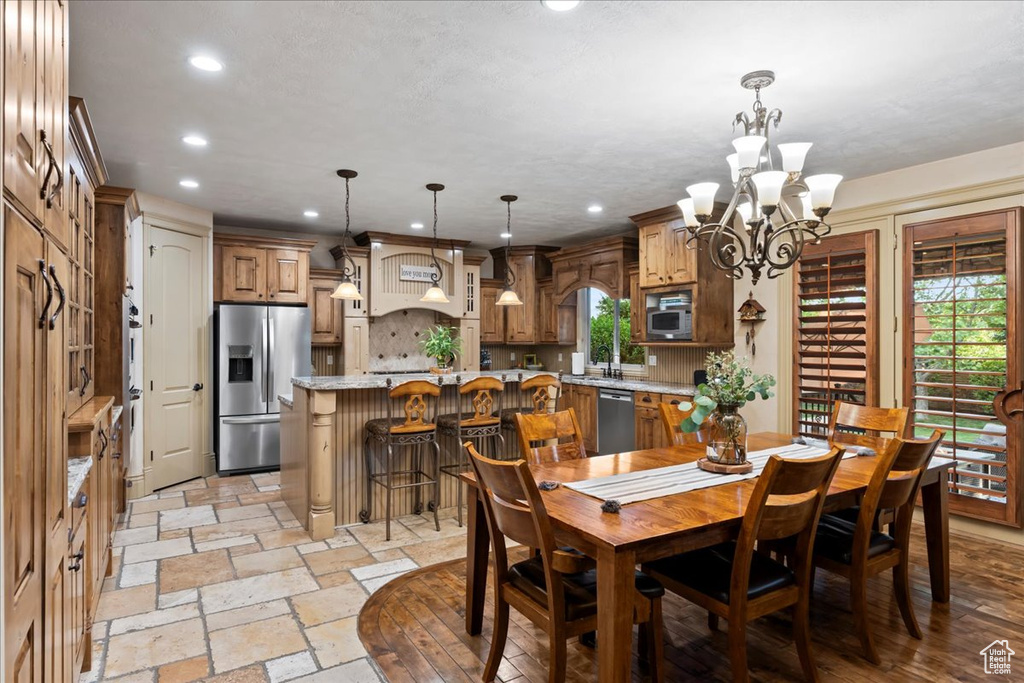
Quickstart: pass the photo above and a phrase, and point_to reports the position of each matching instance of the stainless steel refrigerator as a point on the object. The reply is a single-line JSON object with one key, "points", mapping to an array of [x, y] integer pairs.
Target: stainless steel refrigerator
{"points": [[259, 349]]}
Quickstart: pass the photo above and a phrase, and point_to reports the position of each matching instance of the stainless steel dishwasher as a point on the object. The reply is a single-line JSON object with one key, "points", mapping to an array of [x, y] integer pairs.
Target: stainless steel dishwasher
{"points": [[615, 431]]}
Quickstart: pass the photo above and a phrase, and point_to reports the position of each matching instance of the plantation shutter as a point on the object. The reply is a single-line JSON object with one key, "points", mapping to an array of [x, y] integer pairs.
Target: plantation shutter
{"points": [[961, 347], [836, 328]]}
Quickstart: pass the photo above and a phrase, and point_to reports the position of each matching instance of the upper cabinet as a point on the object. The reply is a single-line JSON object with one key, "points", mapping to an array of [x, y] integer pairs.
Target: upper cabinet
{"points": [[327, 314], [601, 264], [528, 265], [257, 269], [557, 320], [492, 316], [361, 258], [664, 256]]}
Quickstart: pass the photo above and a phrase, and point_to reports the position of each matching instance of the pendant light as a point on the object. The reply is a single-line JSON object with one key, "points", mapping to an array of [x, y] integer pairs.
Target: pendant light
{"points": [[347, 289], [435, 295], [508, 295]]}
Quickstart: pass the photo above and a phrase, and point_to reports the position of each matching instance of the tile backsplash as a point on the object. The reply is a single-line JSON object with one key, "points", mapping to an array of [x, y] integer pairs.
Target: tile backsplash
{"points": [[394, 341]]}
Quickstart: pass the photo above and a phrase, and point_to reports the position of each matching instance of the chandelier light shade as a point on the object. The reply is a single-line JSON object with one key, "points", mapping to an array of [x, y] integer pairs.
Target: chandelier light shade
{"points": [[435, 295], [508, 294], [347, 289], [771, 237]]}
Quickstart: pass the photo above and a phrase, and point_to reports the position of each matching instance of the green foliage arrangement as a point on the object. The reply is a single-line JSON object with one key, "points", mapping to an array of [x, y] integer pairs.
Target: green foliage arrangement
{"points": [[730, 383], [602, 331], [442, 345]]}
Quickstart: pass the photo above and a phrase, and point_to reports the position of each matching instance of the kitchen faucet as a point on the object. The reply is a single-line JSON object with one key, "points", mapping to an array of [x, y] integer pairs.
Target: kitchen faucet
{"points": [[608, 372]]}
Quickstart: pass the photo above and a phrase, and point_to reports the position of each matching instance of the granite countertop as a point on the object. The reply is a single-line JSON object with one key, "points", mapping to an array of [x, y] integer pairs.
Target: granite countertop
{"points": [[629, 384], [285, 400], [78, 468]]}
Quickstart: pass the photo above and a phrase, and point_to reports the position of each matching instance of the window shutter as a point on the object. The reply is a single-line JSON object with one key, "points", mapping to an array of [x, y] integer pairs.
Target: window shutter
{"points": [[835, 329]]}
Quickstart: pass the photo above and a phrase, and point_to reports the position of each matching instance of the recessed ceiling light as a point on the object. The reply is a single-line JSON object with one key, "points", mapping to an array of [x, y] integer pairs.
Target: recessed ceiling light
{"points": [[506, 235], [594, 208], [560, 5], [204, 63], [194, 140], [190, 184], [416, 226], [310, 213]]}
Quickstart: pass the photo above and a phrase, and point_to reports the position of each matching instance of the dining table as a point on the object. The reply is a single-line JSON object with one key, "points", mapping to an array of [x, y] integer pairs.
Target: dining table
{"points": [[651, 529]]}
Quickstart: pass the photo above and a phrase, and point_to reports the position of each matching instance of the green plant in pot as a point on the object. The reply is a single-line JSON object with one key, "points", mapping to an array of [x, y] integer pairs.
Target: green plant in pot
{"points": [[443, 345], [730, 385]]}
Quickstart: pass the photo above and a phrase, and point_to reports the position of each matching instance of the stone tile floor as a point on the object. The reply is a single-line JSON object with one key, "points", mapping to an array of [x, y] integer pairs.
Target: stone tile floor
{"points": [[215, 580]]}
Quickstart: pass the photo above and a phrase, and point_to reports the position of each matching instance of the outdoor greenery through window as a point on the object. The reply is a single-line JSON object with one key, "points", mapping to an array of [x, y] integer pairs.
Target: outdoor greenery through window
{"points": [[608, 327]]}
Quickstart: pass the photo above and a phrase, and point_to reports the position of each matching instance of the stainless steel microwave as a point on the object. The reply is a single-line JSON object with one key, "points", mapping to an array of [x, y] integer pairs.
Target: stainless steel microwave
{"points": [[675, 323]]}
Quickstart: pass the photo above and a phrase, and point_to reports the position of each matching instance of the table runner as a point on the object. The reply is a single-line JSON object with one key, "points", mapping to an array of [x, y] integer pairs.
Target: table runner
{"points": [[632, 487]]}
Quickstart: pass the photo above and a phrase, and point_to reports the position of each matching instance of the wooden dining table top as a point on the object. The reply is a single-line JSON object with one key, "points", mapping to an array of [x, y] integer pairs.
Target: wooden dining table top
{"points": [[645, 522]]}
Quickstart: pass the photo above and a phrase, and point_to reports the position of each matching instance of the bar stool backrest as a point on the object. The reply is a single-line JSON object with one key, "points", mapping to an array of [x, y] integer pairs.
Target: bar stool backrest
{"points": [[416, 406], [486, 401], [539, 390]]}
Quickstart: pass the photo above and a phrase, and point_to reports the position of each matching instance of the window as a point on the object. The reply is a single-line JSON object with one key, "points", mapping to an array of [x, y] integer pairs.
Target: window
{"points": [[607, 325], [960, 300], [836, 329]]}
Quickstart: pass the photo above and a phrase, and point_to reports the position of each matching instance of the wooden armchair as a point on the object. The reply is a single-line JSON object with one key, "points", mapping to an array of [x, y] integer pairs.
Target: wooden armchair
{"points": [[856, 550], [856, 425], [555, 589], [671, 416], [535, 430], [730, 580]]}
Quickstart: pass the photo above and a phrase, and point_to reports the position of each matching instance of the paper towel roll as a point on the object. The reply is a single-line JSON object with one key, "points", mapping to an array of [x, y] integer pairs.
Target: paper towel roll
{"points": [[578, 364]]}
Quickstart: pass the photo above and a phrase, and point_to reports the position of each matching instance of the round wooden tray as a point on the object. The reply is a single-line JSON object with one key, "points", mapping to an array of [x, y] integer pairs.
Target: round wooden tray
{"points": [[722, 468]]}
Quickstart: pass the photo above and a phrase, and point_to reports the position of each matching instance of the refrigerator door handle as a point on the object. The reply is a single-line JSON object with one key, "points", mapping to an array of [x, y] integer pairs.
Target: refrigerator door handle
{"points": [[271, 360], [258, 420]]}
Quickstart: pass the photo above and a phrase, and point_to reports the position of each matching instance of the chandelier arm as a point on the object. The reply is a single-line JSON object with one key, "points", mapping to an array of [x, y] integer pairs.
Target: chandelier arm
{"points": [[787, 214], [783, 249], [729, 256]]}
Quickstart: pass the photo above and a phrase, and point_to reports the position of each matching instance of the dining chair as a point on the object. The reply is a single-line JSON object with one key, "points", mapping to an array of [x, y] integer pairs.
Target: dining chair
{"points": [[537, 430], [555, 589], [856, 425], [731, 580], [858, 551], [671, 417]]}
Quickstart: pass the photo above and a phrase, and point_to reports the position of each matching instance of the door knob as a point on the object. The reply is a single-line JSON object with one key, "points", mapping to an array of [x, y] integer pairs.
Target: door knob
{"points": [[197, 387]]}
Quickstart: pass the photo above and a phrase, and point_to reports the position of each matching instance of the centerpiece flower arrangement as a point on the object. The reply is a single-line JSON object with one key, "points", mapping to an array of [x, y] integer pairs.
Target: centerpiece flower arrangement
{"points": [[730, 385], [443, 346]]}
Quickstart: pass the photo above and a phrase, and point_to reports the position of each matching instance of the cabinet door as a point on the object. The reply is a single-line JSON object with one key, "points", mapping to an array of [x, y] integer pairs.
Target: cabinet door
{"points": [[73, 378], [646, 428], [356, 349], [681, 262], [469, 332], [492, 317], [521, 321], [23, 438], [98, 515], [327, 313], [585, 403], [547, 315], [637, 308], [23, 152], [78, 608], [57, 614], [653, 248], [288, 276], [52, 104], [87, 255], [244, 272]]}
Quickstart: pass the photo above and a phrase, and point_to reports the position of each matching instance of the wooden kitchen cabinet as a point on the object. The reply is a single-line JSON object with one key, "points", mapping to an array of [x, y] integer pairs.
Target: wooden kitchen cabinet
{"points": [[327, 314], [528, 265], [637, 306], [78, 643], [583, 400], [256, 269], [664, 257], [647, 428], [492, 316], [557, 321]]}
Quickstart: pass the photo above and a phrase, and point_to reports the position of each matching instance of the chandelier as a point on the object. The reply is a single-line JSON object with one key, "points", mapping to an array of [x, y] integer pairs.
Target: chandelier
{"points": [[508, 294], [346, 288], [435, 295], [769, 234]]}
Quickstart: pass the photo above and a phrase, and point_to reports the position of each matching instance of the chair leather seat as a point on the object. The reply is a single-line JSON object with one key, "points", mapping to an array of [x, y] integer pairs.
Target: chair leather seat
{"points": [[834, 539], [381, 425], [449, 422], [709, 570], [580, 589]]}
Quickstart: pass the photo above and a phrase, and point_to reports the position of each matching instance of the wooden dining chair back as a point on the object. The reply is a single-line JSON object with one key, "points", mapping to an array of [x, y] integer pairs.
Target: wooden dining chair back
{"points": [[672, 416], [554, 588], [852, 424], [542, 392], [857, 550], [731, 580], [538, 431]]}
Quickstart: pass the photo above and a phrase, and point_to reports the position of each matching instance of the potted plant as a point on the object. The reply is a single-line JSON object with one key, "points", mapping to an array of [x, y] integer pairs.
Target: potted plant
{"points": [[730, 385], [443, 346]]}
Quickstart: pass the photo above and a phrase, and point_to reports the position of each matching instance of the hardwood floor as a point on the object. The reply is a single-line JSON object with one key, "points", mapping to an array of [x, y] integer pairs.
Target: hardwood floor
{"points": [[414, 628]]}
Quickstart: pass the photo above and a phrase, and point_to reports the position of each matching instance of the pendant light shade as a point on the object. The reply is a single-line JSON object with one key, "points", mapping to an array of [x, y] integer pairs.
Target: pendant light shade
{"points": [[435, 295], [508, 295], [347, 289]]}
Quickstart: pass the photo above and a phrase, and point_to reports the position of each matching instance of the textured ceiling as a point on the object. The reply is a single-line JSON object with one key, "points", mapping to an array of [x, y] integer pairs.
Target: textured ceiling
{"points": [[622, 104]]}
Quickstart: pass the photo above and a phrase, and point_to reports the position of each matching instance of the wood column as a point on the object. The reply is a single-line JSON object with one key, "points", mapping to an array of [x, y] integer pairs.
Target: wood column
{"points": [[322, 405]]}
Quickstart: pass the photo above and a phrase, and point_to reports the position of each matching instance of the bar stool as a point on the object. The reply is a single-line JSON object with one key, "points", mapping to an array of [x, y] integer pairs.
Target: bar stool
{"points": [[534, 398], [416, 430], [482, 425]]}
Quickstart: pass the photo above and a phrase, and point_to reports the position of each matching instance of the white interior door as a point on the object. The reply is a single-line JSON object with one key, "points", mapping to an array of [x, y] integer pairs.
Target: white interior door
{"points": [[176, 332]]}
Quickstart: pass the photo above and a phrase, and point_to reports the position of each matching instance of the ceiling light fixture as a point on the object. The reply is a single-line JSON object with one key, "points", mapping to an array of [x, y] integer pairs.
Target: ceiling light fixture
{"points": [[435, 295], [204, 63], [190, 184], [310, 213], [508, 294], [416, 226], [194, 140], [594, 208], [560, 5], [346, 288], [760, 243], [505, 235]]}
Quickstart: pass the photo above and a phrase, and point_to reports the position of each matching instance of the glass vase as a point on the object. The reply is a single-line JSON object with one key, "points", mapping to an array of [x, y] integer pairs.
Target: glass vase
{"points": [[727, 436]]}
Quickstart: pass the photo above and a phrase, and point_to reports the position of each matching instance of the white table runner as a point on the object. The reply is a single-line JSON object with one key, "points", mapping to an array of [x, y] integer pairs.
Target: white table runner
{"points": [[666, 481]]}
